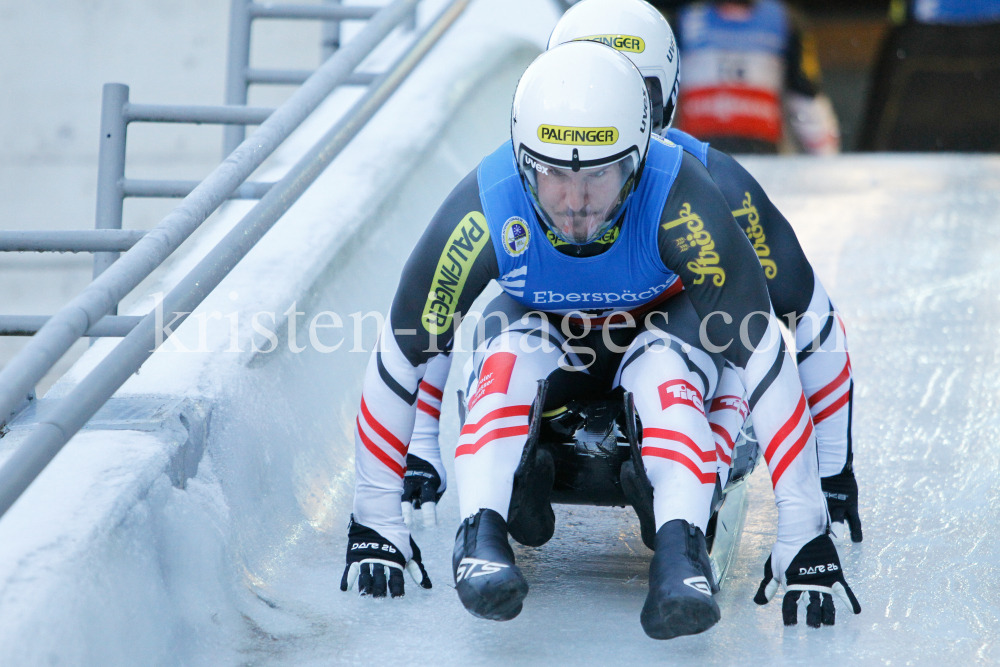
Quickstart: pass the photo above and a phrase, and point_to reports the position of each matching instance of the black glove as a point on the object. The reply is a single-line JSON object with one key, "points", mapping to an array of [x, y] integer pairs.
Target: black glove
{"points": [[841, 491], [420, 490], [816, 569], [371, 557]]}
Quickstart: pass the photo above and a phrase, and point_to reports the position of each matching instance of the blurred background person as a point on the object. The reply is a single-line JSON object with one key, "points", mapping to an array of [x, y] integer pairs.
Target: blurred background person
{"points": [[936, 83], [751, 79]]}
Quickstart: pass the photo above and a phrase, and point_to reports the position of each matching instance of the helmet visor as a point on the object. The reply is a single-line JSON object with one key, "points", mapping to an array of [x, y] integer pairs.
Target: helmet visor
{"points": [[579, 204]]}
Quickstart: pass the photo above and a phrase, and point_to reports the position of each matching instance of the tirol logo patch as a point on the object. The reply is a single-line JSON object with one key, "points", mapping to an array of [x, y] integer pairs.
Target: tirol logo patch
{"points": [[700, 584], [515, 236], [495, 376], [735, 403], [680, 392], [578, 136], [629, 43]]}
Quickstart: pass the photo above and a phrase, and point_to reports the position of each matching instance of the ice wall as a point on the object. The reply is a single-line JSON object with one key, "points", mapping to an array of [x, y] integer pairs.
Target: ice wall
{"points": [[56, 57], [153, 536]]}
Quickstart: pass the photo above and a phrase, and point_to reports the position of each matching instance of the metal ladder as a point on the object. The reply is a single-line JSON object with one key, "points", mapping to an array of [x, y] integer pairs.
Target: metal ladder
{"points": [[94, 311]]}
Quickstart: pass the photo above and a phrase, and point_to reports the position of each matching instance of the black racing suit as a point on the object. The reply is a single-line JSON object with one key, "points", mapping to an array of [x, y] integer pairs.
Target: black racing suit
{"points": [[737, 304]]}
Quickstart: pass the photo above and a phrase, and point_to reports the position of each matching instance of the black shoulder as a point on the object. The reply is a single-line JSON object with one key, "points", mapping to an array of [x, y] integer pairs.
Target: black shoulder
{"points": [[789, 274], [700, 242], [698, 238], [694, 183], [449, 267], [731, 177]]}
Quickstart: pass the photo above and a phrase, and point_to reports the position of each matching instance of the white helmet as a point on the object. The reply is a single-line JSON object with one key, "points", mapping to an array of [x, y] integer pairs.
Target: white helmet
{"points": [[580, 127], [639, 31]]}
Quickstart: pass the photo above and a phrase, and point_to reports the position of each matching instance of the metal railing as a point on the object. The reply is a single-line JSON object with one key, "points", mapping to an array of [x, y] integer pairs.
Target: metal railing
{"points": [[240, 75], [117, 112], [90, 313], [108, 240]]}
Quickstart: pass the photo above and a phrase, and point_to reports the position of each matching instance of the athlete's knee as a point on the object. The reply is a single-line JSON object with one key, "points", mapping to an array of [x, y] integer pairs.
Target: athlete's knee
{"points": [[669, 398], [661, 375]]}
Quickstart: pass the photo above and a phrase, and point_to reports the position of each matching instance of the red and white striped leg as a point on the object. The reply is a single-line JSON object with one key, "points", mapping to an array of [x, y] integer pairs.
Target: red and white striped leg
{"points": [[785, 431], [496, 426], [825, 372], [678, 450], [727, 413], [381, 436]]}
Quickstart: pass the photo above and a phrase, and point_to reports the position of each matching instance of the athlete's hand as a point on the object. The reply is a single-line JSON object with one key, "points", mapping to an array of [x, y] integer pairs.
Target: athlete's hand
{"points": [[377, 565], [841, 493], [816, 570], [420, 490]]}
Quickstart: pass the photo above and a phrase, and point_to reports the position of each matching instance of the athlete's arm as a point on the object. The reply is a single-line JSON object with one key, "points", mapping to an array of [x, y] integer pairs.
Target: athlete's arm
{"points": [[802, 303], [789, 274], [700, 242], [449, 267]]}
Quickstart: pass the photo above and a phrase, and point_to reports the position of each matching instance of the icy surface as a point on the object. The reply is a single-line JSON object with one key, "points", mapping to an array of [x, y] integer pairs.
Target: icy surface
{"points": [[243, 565], [909, 248]]}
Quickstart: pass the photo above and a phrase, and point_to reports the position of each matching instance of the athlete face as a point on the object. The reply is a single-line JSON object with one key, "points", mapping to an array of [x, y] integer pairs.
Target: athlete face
{"points": [[578, 203]]}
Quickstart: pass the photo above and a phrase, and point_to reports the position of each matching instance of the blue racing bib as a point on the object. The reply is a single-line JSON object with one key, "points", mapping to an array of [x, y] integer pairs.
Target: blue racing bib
{"points": [[627, 276], [697, 148]]}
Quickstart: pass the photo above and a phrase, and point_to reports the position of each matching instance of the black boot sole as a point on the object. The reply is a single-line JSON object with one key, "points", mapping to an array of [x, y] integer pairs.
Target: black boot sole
{"points": [[678, 616], [504, 603]]}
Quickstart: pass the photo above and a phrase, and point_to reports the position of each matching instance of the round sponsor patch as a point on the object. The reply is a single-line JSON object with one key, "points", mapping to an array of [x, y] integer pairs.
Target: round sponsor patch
{"points": [[515, 236]]}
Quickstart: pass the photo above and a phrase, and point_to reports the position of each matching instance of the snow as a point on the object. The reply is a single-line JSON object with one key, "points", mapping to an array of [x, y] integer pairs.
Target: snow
{"points": [[113, 557]]}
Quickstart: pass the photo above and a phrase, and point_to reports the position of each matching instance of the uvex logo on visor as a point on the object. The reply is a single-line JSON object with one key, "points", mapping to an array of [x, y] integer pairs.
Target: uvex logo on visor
{"points": [[578, 136], [628, 43]]}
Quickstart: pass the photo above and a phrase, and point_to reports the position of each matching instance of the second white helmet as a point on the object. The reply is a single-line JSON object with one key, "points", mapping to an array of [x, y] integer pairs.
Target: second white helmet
{"points": [[580, 127], [639, 31]]}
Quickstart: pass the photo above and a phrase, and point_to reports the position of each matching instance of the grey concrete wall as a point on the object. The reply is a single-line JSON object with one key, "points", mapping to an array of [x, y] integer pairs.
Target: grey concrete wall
{"points": [[135, 546], [55, 56]]}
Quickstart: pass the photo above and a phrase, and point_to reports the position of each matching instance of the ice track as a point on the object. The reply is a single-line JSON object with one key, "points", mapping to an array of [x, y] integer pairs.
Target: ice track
{"points": [[909, 247], [242, 563]]}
